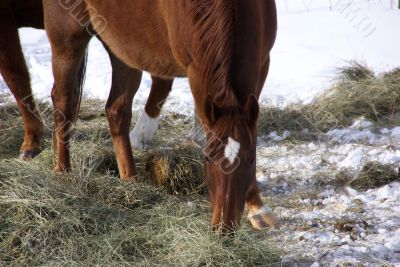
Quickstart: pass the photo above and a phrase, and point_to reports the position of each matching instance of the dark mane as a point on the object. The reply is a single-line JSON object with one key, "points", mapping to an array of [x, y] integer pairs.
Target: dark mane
{"points": [[213, 33]]}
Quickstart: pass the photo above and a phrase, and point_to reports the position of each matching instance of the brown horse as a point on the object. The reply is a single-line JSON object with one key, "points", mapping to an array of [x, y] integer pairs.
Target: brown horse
{"points": [[13, 15], [223, 47], [29, 13]]}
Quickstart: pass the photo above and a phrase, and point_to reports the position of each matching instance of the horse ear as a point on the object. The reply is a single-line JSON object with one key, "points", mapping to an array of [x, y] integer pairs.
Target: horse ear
{"points": [[252, 110], [212, 110]]}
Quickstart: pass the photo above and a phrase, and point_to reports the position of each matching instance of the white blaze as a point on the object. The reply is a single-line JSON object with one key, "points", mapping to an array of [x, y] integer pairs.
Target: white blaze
{"points": [[232, 150], [144, 131]]}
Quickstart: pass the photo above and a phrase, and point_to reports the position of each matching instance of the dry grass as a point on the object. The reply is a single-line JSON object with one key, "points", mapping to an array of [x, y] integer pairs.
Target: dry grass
{"points": [[372, 175], [90, 218], [179, 170], [357, 92], [355, 71]]}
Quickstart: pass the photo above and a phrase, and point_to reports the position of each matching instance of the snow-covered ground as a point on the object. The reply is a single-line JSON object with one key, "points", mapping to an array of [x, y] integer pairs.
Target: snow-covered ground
{"points": [[315, 37], [297, 180]]}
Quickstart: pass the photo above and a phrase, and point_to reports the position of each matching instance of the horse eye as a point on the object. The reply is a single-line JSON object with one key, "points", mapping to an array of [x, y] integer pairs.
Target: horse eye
{"points": [[208, 159]]}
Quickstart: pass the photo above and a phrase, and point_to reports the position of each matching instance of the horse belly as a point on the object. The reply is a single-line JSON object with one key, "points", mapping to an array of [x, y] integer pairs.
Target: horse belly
{"points": [[137, 34]]}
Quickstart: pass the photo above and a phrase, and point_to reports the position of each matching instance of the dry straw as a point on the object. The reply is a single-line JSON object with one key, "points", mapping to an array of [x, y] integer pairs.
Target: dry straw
{"points": [[90, 218], [372, 175], [357, 92]]}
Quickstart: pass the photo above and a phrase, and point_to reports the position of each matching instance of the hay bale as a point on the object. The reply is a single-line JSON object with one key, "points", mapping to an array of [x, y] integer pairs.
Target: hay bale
{"points": [[178, 170]]}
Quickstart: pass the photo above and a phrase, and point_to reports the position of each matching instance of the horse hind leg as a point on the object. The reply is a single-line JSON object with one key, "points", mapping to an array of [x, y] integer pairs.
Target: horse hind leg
{"points": [[125, 83], [15, 73], [147, 124]]}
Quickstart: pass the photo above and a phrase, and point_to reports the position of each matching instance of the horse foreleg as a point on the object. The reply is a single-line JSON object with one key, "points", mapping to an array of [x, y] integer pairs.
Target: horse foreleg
{"points": [[260, 215], [125, 83], [147, 124], [16, 75]]}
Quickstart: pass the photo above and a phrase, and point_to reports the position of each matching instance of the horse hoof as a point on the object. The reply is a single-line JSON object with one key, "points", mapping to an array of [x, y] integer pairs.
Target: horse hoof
{"points": [[263, 218], [28, 155]]}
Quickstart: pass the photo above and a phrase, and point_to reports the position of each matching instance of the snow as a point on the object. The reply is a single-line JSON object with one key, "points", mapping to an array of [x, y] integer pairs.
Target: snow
{"points": [[355, 158], [315, 37], [298, 170], [287, 170]]}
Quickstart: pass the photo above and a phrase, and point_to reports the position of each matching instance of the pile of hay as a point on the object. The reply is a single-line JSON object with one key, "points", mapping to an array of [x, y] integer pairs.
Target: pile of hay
{"points": [[179, 170], [357, 92], [90, 218], [372, 175]]}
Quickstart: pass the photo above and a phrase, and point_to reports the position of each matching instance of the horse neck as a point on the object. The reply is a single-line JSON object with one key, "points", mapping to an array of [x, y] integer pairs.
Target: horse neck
{"points": [[230, 45], [213, 43], [255, 34]]}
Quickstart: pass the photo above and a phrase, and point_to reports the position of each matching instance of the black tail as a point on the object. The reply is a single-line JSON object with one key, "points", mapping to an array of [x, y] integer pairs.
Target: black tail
{"points": [[80, 84]]}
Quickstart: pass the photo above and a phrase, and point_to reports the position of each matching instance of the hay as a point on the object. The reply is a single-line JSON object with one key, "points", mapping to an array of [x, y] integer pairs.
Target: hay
{"points": [[179, 170], [90, 218], [375, 98], [280, 120], [372, 175], [355, 71], [356, 93], [98, 220]]}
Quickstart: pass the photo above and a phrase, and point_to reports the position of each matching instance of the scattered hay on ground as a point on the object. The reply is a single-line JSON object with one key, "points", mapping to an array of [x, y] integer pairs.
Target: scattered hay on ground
{"points": [[372, 175], [373, 97], [89, 217], [95, 219], [280, 120], [357, 92], [355, 71]]}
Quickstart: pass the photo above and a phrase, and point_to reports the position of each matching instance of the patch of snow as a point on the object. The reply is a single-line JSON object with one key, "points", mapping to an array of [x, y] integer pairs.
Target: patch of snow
{"points": [[354, 159]]}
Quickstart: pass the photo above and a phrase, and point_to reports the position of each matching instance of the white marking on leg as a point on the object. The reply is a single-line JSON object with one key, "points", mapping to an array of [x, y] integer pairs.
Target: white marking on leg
{"points": [[144, 131], [232, 150]]}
